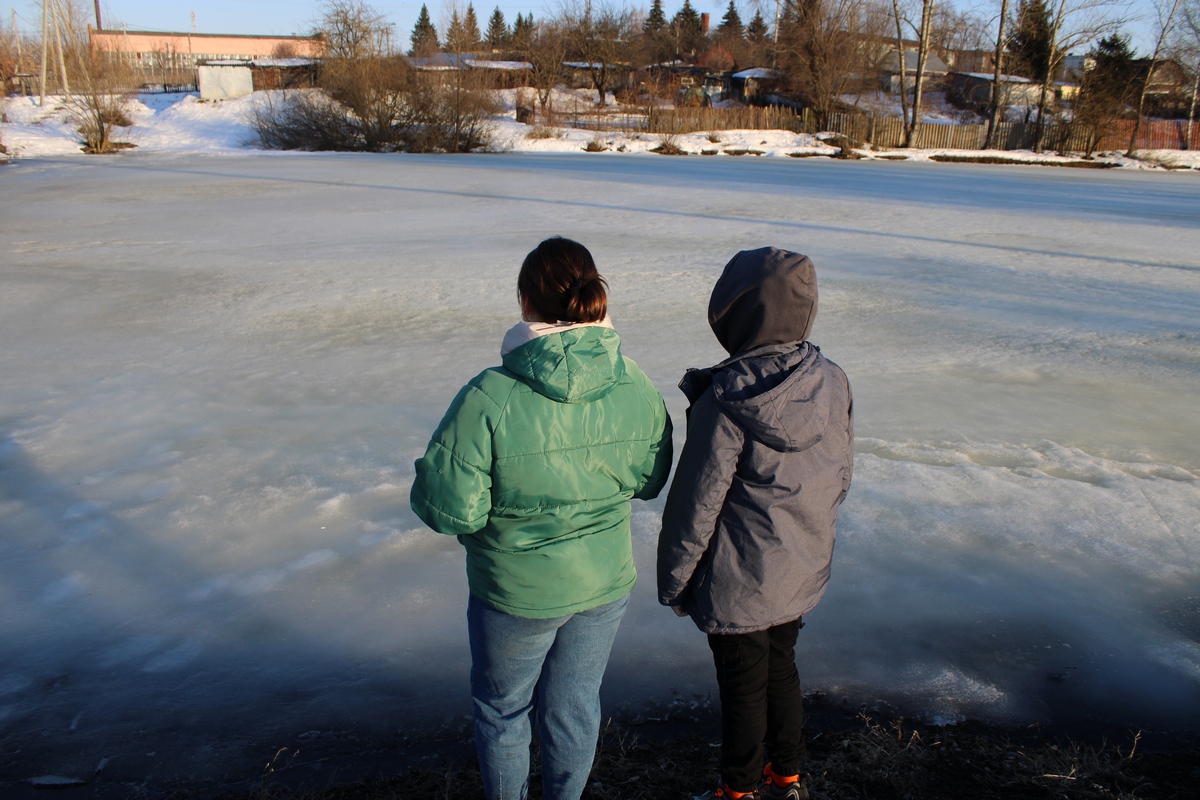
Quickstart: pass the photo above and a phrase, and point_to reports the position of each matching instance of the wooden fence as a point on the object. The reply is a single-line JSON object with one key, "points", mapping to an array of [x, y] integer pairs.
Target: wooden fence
{"points": [[889, 131]]}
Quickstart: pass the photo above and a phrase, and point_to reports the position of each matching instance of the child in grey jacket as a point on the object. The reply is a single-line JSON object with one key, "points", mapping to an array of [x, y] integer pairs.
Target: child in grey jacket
{"points": [[749, 523]]}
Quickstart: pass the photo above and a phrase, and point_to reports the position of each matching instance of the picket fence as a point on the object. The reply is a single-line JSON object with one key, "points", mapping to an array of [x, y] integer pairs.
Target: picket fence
{"points": [[889, 131]]}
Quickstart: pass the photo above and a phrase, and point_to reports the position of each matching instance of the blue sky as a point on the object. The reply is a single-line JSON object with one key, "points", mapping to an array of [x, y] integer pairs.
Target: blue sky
{"points": [[297, 16]]}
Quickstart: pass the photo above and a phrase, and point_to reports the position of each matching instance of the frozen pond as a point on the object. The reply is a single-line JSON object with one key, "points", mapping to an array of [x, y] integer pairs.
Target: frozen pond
{"points": [[217, 372]]}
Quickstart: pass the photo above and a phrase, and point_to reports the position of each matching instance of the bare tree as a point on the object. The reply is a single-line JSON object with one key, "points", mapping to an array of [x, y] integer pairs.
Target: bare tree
{"points": [[544, 48], [1185, 49], [351, 29], [997, 100], [1165, 20], [600, 35], [922, 29], [818, 48], [1073, 23], [102, 83]]}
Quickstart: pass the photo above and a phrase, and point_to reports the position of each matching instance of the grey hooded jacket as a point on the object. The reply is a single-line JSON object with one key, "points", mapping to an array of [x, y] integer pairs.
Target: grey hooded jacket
{"points": [[749, 524]]}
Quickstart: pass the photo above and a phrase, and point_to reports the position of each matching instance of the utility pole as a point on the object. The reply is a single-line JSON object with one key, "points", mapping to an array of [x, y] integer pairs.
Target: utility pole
{"points": [[55, 13], [17, 38], [99, 27], [45, 11]]}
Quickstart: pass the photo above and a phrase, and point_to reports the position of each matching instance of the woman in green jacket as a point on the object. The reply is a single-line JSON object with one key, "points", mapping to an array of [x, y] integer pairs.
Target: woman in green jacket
{"points": [[533, 467]]}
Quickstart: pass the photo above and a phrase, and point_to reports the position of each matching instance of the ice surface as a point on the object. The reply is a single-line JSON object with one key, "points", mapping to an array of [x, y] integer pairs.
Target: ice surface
{"points": [[217, 372]]}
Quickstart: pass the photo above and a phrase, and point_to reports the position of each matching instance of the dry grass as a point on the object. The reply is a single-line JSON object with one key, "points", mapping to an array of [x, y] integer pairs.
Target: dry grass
{"points": [[543, 132], [668, 145], [964, 159], [850, 757], [1160, 160]]}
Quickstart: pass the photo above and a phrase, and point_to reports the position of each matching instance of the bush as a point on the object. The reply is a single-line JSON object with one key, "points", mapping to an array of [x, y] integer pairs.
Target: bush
{"points": [[303, 120], [101, 102], [379, 104]]}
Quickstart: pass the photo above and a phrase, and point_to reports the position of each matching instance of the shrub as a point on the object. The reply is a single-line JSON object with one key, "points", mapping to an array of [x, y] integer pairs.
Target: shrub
{"points": [[307, 119], [101, 102], [379, 104], [668, 145]]}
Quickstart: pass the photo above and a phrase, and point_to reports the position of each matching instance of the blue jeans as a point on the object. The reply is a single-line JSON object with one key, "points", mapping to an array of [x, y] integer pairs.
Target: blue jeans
{"points": [[545, 668]]}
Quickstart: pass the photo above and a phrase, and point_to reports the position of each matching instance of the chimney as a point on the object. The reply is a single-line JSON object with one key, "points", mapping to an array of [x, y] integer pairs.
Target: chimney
{"points": [[99, 27], [704, 18]]}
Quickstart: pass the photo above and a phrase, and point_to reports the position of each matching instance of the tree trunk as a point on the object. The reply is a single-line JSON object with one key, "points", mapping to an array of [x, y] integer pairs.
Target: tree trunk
{"points": [[1137, 122], [907, 135], [1187, 139], [997, 59], [922, 54], [1043, 98]]}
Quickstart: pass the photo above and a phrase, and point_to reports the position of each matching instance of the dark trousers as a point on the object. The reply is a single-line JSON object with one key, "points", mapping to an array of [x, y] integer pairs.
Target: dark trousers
{"points": [[761, 705]]}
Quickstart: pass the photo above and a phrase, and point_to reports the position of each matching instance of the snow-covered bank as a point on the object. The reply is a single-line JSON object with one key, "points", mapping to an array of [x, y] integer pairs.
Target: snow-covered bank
{"points": [[218, 371], [185, 124]]}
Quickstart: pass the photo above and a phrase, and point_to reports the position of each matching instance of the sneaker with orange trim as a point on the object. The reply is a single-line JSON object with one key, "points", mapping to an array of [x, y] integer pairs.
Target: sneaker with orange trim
{"points": [[725, 793], [782, 787]]}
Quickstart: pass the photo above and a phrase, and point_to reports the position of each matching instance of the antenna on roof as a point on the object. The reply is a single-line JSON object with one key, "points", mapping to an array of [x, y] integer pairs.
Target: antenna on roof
{"points": [[193, 22]]}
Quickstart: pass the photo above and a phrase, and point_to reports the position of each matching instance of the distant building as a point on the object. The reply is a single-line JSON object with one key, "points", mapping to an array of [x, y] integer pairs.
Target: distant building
{"points": [[891, 76], [160, 51], [226, 79]]}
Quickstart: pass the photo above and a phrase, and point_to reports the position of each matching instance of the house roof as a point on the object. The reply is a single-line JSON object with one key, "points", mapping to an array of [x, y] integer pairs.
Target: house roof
{"points": [[260, 62], [760, 73], [933, 63], [987, 76], [501, 65]]}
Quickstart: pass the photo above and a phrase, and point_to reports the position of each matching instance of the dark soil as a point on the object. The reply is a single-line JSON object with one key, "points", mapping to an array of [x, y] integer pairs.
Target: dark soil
{"points": [[852, 755]]}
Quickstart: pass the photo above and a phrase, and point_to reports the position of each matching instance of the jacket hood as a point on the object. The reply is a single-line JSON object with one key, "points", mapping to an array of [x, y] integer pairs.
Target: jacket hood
{"points": [[570, 364], [763, 297], [773, 392]]}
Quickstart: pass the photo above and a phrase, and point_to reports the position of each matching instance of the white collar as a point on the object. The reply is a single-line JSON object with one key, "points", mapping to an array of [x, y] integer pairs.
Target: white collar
{"points": [[524, 332]]}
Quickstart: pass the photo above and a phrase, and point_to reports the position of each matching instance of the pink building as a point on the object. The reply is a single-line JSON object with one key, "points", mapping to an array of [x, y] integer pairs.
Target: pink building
{"points": [[155, 50]]}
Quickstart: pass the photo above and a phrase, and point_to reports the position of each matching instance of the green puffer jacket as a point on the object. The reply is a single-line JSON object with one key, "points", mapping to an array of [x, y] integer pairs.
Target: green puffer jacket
{"points": [[534, 465]]}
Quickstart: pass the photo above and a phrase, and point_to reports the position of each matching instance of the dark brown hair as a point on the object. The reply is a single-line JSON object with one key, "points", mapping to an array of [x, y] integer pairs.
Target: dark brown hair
{"points": [[559, 283]]}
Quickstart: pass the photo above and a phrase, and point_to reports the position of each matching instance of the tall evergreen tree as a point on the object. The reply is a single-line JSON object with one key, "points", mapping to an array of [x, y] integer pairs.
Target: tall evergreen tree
{"points": [[457, 39], [497, 33], [424, 35], [471, 28], [689, 30], [731, 23], [656, 20], [522, 32], [757, 30], [1032, 40], [1107, 90]]}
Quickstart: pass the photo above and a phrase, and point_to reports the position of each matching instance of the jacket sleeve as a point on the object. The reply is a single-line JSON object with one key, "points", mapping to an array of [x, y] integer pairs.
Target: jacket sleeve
{"points": [[452, 492], [657, 467], [846, 476], [702, 479]]}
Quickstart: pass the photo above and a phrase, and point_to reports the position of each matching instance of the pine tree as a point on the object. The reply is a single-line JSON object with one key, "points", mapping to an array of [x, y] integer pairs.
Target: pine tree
{"points": [[424, 36], [688, 28], [656, 20], [1032, 40], [471, 28], [731, 23], [497, 34], [1107, 90], [522, 33], [757, 30], [456, 35]]}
